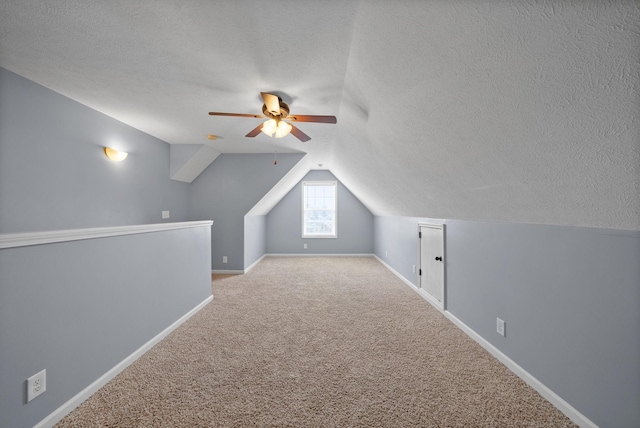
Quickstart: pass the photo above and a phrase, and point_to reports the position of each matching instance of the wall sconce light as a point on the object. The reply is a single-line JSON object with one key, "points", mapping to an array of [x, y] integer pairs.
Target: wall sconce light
{"points": [[115, 155]]}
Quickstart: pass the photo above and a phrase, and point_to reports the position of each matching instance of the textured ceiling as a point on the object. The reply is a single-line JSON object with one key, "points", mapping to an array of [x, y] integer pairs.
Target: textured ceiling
{"points": [[481, 110]]}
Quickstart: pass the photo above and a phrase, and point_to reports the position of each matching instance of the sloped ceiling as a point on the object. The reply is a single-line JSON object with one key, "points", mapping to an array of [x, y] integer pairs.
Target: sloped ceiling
{"points": [[480, 110]]}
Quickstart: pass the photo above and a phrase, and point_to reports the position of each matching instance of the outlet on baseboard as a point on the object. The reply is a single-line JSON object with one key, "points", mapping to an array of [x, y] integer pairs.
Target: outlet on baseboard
{"points": [[501, 327], [36, 385], [224, 259], [305, 246]]}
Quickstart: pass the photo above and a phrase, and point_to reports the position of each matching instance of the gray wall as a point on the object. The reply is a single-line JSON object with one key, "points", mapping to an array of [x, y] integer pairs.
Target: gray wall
{"points": [[570, 297], [396, 242], [284, 224], [66, 309], [54, 174], [226, 191], [255, 238]]}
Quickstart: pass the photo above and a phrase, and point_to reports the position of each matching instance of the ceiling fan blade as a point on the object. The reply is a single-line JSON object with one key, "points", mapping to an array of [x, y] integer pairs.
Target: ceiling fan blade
{"points": [[255, 131], [272, 102], [299, 134], [215, 113], [312, 118]]}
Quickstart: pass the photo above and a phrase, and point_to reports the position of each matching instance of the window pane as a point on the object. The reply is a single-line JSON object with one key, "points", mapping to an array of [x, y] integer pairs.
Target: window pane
{"points": [[319, 204]]}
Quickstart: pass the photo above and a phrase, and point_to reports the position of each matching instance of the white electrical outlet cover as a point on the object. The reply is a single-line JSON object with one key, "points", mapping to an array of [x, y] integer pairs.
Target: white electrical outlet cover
{"points": [[500, 327], [36, 385], [166, 214]]}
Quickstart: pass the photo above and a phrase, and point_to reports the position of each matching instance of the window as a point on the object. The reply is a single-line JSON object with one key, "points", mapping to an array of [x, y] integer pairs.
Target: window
{"points": [[319, 209]]}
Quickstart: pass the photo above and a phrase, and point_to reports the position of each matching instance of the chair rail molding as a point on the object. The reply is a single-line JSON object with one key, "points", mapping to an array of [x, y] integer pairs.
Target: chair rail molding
{"points": [[13, 240]]}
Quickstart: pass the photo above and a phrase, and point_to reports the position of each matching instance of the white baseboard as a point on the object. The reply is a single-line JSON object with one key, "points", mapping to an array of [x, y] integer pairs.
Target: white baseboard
{"points": [[396, 273], [75, 401], [254, 264], [438, 305], [239, 272], [543, 390], [318, 255], [221, 271], [410, 284], [227, 271]]}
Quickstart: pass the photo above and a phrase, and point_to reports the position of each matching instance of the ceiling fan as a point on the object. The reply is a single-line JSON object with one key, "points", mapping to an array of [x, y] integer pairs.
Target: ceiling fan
{"points": [[277, 111]]}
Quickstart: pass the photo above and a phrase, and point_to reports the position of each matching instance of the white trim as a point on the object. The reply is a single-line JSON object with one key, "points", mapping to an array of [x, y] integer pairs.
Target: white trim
{"points": [[428, 297], [543, 390], [433, 224], [254, 264], [442, 305], [75, 401], [566, 408], [228, 271], [318, 255], [396, 273], [325, 183], [12, 240]]}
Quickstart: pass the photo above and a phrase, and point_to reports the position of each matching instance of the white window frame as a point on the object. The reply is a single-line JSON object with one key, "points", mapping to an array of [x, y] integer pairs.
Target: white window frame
{"points": [[335, 212]]}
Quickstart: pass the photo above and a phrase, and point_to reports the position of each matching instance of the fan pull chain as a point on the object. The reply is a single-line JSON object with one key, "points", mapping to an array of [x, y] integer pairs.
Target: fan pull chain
{"points": [[275, 151]]}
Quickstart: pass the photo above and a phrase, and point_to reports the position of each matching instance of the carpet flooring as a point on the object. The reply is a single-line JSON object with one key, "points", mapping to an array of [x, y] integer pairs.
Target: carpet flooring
{"points": [[316, 342]]}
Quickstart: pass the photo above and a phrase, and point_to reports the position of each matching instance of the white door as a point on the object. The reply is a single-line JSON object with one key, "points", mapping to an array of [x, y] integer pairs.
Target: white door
{"points": [[432, 261]]}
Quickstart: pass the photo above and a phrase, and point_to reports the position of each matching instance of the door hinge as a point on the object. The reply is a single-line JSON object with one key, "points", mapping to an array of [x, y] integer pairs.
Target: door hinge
{"points": [[420, 272], [419, 235]]}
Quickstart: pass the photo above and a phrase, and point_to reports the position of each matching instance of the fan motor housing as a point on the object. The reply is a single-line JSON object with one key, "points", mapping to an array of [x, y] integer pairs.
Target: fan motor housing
{"points": [[284, 111]]}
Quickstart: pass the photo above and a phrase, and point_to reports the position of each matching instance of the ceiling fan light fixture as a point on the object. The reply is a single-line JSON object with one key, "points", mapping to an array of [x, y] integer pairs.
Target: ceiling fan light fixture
{"points": [[269, 127], [283, 129], [275, 110], [280, 128]]}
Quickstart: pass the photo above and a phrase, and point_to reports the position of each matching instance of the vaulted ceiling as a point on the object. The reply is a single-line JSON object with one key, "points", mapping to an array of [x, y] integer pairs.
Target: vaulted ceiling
{"points": [[481, 110]]}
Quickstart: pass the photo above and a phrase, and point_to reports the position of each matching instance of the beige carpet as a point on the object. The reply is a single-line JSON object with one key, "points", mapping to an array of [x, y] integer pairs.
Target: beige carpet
{"points": [[316, 342]]}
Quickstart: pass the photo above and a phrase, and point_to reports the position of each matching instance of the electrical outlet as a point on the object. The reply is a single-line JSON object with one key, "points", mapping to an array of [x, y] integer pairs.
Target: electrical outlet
{"points": [[414, 268], [36, 385], [166, 214], [501, 327], [386, 255], [224, 259], [305, 246]]}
